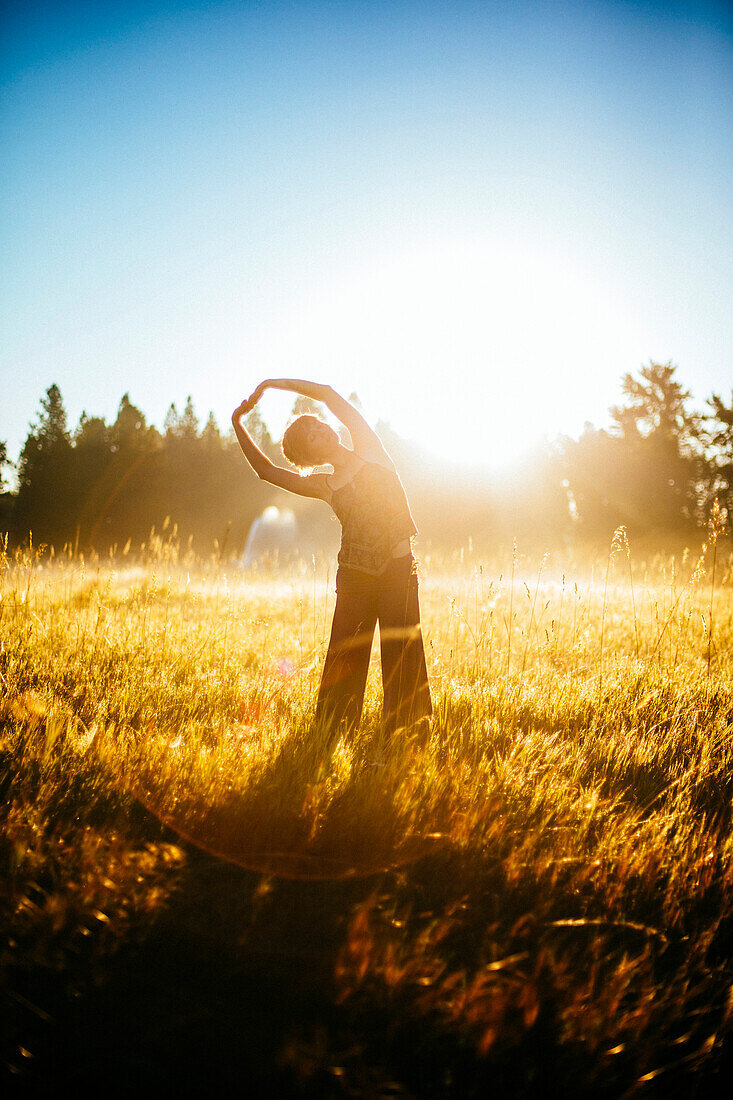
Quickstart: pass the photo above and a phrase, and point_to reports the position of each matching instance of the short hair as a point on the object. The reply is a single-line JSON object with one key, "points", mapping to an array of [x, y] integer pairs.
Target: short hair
{"points": [[293, 441]]}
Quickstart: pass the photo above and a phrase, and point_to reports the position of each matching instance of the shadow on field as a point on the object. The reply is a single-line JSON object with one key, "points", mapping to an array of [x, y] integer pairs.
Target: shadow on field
{"points": [[471, 973], [234, 989], [234, 973], [292, 820], [233, 992]]}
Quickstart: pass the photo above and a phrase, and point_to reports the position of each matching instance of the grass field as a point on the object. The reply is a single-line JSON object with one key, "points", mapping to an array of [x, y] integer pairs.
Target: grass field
{"points": [[534, 899]]}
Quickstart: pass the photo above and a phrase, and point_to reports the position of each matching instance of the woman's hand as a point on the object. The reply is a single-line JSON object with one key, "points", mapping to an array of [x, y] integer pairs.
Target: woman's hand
{"points": [[249, 402], [257, 393], [241, 410]]}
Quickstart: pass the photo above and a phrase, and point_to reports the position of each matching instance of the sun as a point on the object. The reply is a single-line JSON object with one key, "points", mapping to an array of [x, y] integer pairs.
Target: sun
{"points": [[477, 351]]}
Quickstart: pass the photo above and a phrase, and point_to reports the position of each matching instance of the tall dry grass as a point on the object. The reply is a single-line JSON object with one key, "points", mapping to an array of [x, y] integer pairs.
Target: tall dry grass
{"points": [[552, 885]]}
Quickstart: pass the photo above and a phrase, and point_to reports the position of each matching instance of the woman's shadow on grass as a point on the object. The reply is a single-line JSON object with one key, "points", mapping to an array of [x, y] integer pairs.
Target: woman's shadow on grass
{"points": [[324, 805]]}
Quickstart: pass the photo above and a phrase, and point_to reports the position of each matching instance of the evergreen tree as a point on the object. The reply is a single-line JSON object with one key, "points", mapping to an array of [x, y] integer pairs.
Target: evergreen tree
{"points": [[45, 505], [115, 499], [7, 500], [129, 431], [657, 406], [211, 436], [91, 431], [183, 472], [596, 474], [50, 433], [648, 472], [172, 421], [720, 438], [91, 457], [188, 424], [3, 462], [659, 472]]}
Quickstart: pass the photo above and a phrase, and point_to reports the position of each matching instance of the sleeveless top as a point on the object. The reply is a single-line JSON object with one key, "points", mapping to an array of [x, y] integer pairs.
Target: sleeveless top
{"points": [[374, 515]]}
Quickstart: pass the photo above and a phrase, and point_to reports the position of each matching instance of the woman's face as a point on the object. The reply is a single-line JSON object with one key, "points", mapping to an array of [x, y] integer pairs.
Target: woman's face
{"points": [[320, 441]]}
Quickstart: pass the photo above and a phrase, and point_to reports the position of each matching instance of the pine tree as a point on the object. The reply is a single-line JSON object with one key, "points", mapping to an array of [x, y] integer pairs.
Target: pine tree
{"points": [[659, 469], [720, 437], [188, 424], [171, 424], [91, 431], [45, 505], [211, 436], [129, 431], [89, 461], [657, 405], [3, 462], [7, 500]]}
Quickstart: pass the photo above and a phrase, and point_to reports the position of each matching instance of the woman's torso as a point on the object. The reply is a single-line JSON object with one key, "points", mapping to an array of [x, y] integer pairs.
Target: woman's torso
{"points": [[376, 523]]}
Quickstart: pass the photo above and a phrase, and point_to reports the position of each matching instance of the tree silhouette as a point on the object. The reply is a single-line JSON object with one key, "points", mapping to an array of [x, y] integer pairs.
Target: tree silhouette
{"points": [[657, 405], [656, 471], [172, 420], [129, 430], [92, 431], [115, 498], [647, 472], [182, 472], [188, 424], [660, 470], [3, 462], [51, 431], [597, 474], [720, 436], [211, 436], [45, 504], [91, 459]]}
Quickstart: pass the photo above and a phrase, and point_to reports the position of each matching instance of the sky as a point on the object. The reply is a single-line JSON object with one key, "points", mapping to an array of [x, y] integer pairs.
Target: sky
{"points": [[476, 215]]}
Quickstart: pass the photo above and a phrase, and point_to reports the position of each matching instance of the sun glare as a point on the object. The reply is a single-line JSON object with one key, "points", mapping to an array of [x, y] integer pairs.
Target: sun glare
{"points": [[475, 352]]}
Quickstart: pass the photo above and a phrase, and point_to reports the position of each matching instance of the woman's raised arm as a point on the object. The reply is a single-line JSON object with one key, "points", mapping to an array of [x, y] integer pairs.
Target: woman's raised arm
{"points": [[311, 486], [366, 441], [314, 390]]}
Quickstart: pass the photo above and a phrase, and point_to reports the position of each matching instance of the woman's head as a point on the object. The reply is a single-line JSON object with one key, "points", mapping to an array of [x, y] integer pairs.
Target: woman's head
{"points": [[309, 441]]}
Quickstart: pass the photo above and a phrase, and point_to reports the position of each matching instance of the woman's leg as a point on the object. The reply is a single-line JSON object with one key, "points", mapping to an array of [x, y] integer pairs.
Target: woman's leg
{"points": [[341, 694], [404, 673]]}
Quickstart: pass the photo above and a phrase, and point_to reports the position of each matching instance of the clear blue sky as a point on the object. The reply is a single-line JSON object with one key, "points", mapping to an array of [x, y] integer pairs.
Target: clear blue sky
{"points": [[490, 208]]}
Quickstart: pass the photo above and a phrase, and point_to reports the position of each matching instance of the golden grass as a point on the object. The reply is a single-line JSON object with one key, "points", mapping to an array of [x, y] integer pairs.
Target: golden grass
{"points": [[573, 797]]}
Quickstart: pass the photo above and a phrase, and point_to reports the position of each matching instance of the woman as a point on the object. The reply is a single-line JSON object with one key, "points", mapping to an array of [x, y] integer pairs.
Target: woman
{"points": [[377, 577]]}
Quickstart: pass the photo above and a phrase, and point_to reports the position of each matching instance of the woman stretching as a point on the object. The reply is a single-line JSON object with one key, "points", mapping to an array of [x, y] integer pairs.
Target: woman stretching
{"points": [[376, 578]]}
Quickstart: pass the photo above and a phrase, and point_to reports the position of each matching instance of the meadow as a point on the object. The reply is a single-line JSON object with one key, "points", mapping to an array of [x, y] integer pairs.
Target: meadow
{"points": [[532, 897]]}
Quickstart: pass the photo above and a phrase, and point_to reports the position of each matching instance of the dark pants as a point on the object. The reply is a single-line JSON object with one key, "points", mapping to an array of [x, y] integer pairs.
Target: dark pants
{"points": [[362, 601]]}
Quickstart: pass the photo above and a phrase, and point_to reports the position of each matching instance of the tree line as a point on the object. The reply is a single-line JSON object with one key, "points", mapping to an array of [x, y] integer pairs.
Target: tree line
{"points": [[656, 470]]}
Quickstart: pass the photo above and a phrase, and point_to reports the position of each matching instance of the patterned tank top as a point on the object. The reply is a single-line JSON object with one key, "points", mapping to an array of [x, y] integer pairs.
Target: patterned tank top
{"points": [[374, 515]]}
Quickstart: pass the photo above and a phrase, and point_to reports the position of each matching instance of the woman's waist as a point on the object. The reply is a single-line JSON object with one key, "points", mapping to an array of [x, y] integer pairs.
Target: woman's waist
{"points": [[373, 555], [396, 570]]}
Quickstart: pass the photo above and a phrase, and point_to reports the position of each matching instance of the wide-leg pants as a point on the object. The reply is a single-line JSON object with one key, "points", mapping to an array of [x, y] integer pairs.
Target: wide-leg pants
{"points": [[362, 600]]}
